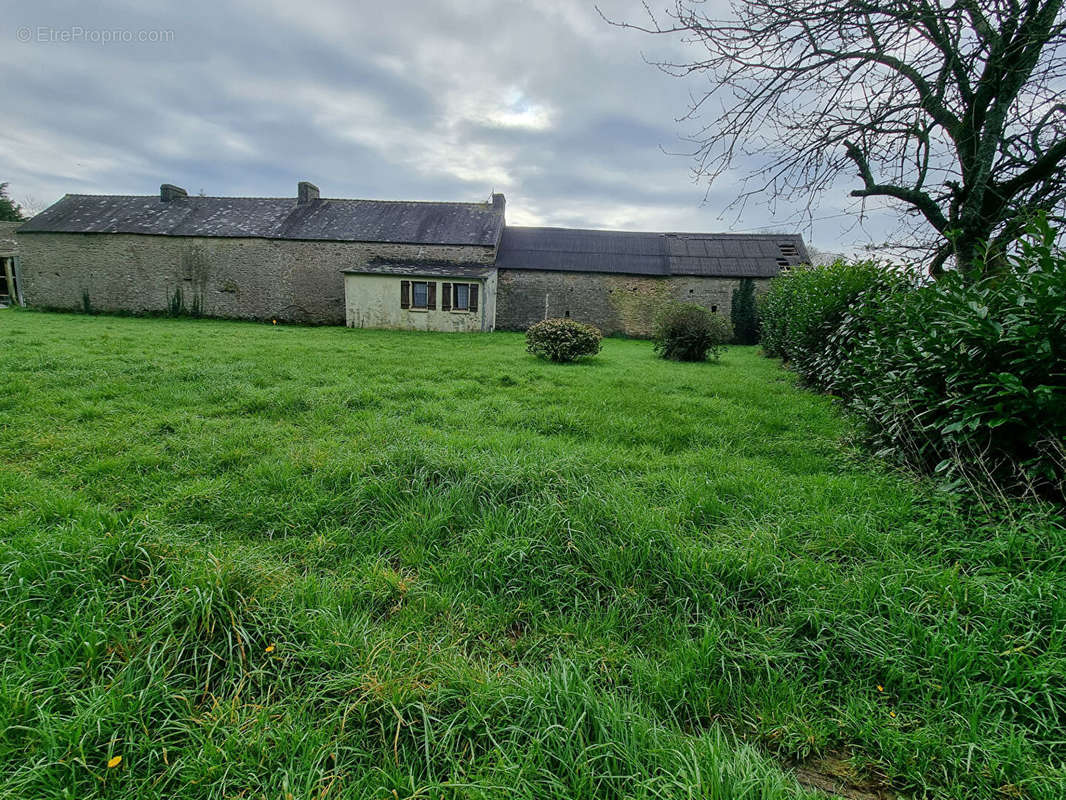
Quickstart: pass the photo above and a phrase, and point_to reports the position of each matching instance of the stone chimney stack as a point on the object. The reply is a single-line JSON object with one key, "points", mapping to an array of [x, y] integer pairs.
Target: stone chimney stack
{"points": [[499, 202], [306, 192], [169, 191]]}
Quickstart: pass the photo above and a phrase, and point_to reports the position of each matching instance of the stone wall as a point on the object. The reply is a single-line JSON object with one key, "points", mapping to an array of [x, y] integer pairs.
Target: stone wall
{"points": [[8, 245], [297, 281], [616, 304]]}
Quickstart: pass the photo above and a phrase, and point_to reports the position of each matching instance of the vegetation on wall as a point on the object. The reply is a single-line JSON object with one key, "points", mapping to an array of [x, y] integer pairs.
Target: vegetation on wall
{"points": [[638, 301], [176, 304]]}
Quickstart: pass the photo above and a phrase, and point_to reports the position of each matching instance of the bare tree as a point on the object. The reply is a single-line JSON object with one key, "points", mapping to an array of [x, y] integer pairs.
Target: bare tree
{"points": [[32, 205], [952, 112]]}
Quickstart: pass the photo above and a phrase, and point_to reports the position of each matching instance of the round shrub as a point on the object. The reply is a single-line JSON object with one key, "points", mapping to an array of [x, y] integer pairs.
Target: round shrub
{"points": [[688, 332], [562, 340]]}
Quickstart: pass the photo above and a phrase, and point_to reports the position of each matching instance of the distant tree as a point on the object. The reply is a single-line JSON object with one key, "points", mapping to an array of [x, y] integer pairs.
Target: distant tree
{"points": [[817, 256], [10, 211], [951, 112], [744, 314], [32, 205]]}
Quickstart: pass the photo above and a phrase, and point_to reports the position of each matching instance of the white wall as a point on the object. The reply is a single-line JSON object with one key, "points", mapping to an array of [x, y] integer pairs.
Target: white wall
{"points": [[373, 301]]}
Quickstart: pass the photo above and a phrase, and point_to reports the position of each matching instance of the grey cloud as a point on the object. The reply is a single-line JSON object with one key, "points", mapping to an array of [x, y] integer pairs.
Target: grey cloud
{"points": [[420, 100]]}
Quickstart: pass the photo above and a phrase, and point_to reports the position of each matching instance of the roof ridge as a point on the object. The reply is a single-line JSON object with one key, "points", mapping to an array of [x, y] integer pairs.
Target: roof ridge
{"points": [[398, 222], [292, 198], [615, 231], [583, 230]]}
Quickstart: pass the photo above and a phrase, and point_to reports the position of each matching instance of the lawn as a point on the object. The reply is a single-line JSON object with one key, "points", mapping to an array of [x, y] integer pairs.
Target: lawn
{"points": [[258, 561]]}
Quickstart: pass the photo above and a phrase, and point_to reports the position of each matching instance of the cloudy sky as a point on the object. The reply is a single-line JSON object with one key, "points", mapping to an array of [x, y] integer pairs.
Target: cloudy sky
{"points": [[413, 99]]}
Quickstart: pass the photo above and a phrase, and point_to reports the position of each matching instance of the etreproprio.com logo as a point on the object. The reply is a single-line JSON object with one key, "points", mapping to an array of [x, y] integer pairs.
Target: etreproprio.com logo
{"points": [[77, 34]]}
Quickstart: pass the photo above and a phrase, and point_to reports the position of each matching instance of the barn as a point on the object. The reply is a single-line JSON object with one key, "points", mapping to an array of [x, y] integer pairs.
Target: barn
{"points": [[617, 280], [443, 266]]}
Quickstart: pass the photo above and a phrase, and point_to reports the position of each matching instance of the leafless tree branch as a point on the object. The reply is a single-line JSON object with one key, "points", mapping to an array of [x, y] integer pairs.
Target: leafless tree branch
{"points": [[949, 109]]}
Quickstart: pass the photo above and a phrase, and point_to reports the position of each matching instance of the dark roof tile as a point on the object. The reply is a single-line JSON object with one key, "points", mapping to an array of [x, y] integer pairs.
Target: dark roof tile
{"points": [[274, 218], [733, 255]]}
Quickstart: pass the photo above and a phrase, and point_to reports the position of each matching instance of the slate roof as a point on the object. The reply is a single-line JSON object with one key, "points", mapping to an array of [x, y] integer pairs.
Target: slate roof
{"points": [[731, 255], [274, 218], [423, 270]]}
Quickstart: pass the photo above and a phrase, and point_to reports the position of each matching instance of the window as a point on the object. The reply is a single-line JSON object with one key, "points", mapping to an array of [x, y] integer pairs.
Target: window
{"points": [[459, 296], [418, 295]]}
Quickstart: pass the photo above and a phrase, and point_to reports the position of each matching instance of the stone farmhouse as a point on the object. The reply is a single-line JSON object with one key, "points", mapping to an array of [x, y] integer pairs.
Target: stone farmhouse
{"points": [[372, 263]]}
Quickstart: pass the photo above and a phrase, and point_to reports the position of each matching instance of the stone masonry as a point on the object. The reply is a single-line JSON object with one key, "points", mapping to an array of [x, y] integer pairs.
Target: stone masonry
{"points": [[248, 278], [616, 304]]}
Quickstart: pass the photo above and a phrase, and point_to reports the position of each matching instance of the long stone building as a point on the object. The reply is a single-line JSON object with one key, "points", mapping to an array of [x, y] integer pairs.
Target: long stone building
{"points": [[372, 263]]}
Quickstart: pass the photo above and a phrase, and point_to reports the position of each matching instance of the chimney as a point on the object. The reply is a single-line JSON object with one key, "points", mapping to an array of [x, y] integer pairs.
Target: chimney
{"points": [[169, 191], [499, 202], [306, 192]]}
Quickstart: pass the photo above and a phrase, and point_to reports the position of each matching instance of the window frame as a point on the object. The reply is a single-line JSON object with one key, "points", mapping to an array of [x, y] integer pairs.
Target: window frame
{"points": [[414, 294], [408, 290], [458, 288], [473, 290]]}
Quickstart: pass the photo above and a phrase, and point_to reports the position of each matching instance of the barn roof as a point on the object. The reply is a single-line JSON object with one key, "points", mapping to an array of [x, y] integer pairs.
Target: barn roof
{"points": [[274, 218], [733, 255]]}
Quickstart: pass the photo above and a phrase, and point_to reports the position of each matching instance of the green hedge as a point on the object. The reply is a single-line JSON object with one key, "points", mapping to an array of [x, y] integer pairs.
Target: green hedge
{"points": [[964, 379], [805, 305]]}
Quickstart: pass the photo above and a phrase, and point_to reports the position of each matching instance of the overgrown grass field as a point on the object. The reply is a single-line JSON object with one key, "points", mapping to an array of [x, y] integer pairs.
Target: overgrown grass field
{"points": [[276, 562]]}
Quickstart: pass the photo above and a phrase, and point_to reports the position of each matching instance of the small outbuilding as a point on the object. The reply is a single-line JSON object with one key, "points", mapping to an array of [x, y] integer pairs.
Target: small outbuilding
{"points": [[433, 297]]}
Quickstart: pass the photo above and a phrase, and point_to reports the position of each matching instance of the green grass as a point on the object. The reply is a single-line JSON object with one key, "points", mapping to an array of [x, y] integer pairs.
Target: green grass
{"points": [[262, 561]]}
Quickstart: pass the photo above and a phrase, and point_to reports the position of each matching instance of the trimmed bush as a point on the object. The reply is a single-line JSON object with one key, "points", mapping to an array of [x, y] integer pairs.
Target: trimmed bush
{"points": [[562, 340], [743, 313], [689, 332]]}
